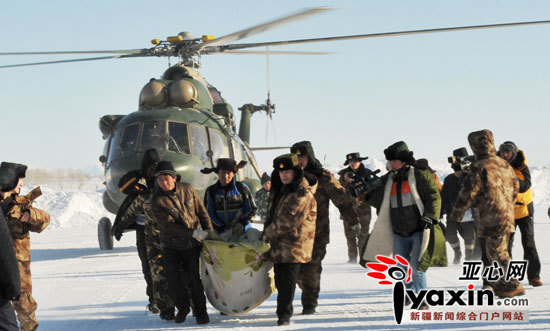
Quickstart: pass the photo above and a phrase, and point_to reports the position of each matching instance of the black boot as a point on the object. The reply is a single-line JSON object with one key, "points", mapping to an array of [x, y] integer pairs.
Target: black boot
{"points": [[469, 254], [203, 319], [168, 314], [182, 314]]}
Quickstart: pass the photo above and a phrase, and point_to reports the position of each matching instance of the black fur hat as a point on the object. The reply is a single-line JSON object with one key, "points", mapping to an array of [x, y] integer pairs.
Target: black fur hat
{"points": [[460, 152], [8, 179], [423, 164], [150, 157], [286, 162], [399, 151], [225, 164], [20, 169], [265, 178], [10, 174]]}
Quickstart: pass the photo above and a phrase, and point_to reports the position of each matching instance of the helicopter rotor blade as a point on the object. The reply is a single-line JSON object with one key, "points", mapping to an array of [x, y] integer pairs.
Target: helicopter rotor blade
{"points": [[71, 60], [383, 34], [114, 51], [268, 148], [230, 38], [273, 53]]}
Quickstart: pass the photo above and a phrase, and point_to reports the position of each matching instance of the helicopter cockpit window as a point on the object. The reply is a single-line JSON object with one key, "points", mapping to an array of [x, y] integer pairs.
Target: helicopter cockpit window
{"points": [[128, 142], [178, 140], [199, 142], [218, 144], [152, 136]]}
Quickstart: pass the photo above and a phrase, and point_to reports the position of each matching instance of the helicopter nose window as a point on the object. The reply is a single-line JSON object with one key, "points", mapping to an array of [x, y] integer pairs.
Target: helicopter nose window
{"points": [[128, 142], [178, 140], [152, 136], [199, 143]]}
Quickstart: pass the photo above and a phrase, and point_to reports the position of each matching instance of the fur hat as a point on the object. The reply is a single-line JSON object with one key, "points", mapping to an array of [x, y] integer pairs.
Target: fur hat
{"points": [[8, 179], [286, 162], [508, 146], [423, 164], [265, 178], [399, 151], [225, 164], [166, 168], [150, 157], [20, 169], [354, 157], [304, 148]]}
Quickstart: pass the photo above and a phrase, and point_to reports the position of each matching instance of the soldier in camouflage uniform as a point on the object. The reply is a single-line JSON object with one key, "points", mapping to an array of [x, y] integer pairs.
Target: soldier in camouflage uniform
{"points": [[328, 189], [492, 188], [290, 228], [133, 184], [23, 218], [142, 205], [356, 239], [262, 197]]}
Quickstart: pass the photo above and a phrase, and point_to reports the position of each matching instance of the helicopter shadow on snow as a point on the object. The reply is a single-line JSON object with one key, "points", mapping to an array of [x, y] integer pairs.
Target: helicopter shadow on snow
{"points": [[50, 254]]}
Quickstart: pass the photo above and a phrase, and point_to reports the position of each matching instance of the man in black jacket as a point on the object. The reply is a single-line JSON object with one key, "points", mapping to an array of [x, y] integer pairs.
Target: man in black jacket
{"points": [[10, 283]]}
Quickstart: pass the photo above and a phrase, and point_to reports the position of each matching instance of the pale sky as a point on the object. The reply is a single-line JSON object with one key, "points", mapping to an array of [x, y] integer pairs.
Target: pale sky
{"points": [[428, 90]]}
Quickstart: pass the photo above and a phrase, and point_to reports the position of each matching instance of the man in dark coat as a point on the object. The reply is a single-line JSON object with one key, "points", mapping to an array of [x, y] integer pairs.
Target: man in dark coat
{"points": [[466, 227], [10, 282], [356, 238], [328, 189], [523, 210], [183, 223]]}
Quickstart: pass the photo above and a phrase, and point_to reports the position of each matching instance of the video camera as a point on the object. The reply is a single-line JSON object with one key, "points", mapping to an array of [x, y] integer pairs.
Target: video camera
{"points": [[364, 184], [465, 162]]}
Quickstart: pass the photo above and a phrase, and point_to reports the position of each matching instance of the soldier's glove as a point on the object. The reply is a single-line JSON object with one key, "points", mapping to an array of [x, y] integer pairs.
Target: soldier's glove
{"points": [[356, 228], [427, 223], [200, 234], [117, 232], [238, 230]]}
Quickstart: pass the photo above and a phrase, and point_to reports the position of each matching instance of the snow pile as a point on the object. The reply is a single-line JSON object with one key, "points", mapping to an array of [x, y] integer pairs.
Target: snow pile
{"points": [[71, 204]]}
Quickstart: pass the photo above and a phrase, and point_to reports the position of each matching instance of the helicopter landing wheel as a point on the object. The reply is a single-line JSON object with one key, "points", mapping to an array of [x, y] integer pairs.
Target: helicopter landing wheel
{"points": [[104, 234]]}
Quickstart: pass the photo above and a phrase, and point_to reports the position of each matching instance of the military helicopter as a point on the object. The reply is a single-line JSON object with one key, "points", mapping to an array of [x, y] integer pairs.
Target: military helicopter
{"points": [[185, 117]]}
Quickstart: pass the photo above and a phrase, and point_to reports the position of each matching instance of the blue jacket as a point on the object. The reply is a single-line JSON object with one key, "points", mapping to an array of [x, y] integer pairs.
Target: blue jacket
{"points": [[223, 204]]}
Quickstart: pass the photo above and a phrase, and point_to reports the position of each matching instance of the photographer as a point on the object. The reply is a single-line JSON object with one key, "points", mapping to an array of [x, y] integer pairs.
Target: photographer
{"points": [[408, 205], [449, 194], [355, 239]]}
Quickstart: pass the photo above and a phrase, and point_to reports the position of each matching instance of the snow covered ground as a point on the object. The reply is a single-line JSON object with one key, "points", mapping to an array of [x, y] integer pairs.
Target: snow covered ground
{"points": [[79, 287]]}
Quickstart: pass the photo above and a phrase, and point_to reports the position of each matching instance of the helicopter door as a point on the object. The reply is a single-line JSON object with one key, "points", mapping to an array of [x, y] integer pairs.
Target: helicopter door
{"points": [[218, 145], [152, 136]]}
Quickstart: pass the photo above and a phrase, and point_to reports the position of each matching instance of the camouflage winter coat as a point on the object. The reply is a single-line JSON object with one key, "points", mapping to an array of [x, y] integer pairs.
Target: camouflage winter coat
{"points": [[38, 221], [329, 189], [142, 205], [491, 187], [262, 198], [177, 214], [290, 227]]}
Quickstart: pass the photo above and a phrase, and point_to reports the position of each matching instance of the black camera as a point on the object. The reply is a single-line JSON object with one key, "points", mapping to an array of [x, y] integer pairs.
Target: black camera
{"points": [[465, 162], [364, 184]]}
